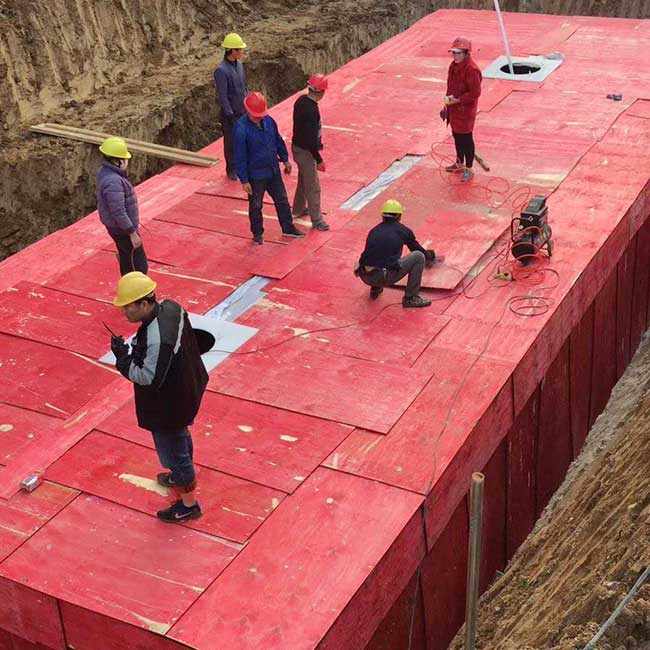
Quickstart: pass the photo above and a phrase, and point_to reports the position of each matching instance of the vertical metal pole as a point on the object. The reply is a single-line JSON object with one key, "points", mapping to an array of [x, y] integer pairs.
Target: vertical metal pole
{"points": [[502, 27], [473, 558]]}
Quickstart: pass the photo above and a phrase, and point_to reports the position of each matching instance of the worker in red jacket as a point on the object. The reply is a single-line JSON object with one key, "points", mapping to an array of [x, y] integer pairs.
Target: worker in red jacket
{"points": [[461, 104]]}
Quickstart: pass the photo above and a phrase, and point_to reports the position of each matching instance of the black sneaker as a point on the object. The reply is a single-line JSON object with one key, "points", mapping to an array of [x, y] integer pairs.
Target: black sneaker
{"points": [[179, 512], [258, 239], [165, 479], [415, 301], [232, 176], [375, 292], [320, 225], [292, 231]]}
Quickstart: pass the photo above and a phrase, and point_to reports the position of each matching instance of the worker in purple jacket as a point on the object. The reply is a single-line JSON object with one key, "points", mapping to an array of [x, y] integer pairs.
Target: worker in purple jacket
{"points": [[117, 205], [230, 82]]}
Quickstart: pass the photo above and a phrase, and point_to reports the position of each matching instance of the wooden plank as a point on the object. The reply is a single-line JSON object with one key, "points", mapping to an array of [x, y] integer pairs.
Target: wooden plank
{"points": [[112, 560], [604, 351], [125, 473], [97, 137], [521, 490], [444, 577], [554, 444], [256, 442], [311, 558], [30, 614], [581, 361]]}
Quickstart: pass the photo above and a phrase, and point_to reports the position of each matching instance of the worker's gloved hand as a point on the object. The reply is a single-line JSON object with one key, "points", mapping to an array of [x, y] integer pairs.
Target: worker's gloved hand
{"points": [[443, 113], [321, 166], [429, 257], [122, 356]]}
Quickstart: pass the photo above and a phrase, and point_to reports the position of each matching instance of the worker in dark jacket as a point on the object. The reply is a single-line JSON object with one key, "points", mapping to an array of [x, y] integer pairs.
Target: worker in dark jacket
{"points": [[381, 264], [461, 104], [117, 205], [230, 82], [306, 146], [259, 149], [169, 378]]}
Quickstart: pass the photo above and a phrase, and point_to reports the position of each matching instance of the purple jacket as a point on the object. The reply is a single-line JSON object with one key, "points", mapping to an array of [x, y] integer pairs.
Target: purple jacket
{"points": [[117, 203]]}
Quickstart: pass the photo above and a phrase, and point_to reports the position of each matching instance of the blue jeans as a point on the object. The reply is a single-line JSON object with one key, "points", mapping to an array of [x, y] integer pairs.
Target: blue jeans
{"points": [[175, 452], [275, 187]]}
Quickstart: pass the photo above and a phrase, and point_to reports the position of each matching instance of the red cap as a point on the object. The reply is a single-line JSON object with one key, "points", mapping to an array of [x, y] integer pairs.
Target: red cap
{"points": [[255, 104], [461, 43], [318, 82]]}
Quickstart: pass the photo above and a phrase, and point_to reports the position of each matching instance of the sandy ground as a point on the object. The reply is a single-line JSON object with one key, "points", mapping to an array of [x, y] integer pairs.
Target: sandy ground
{"points": [[591, 543]]}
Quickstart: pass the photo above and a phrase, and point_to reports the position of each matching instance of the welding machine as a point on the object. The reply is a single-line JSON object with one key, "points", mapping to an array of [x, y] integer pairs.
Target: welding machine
{"points": [[530, 231]]}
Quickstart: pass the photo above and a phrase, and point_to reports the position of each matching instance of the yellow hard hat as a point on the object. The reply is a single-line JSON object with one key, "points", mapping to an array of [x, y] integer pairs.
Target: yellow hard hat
{"points": [[115, 147], [392, 207], [233, 41], [133, 286]]}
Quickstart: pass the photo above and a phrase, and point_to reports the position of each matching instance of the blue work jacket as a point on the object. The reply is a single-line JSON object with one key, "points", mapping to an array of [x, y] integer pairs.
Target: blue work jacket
{"points": [[258, 149]]}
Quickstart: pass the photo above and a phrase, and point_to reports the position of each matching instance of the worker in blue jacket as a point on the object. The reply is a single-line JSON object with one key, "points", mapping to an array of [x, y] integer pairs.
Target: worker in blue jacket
{"points": [[230, 82], [117, 205], [259, 149]]}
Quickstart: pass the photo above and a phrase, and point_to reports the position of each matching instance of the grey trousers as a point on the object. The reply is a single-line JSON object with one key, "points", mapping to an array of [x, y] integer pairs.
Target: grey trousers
{"points": [[411, 264], [308, 188]]}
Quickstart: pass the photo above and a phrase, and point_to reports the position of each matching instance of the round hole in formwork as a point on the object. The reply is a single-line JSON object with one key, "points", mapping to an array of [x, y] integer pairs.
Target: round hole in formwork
{"points": [[204, 339], [521, 68]]}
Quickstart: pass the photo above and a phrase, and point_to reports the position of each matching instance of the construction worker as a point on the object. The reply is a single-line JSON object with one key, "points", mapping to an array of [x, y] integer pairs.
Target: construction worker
{"points": [[169, 379], [306, 146], [381, 263], [230, 82], [259, 149], [461, 105], [117, 205]]}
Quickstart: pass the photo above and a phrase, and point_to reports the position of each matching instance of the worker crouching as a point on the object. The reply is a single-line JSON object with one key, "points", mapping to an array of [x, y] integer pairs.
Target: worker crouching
{"points": [[381, 264], [169, 379]]}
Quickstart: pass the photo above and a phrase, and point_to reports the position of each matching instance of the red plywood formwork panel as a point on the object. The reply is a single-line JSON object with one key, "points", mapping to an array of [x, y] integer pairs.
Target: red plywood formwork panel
{"points": [[604, 351], [25, 513], [403, 626], [493, 540], [12, 642], [521, 489], [92, 631], [60, 319], [253, 441], [554, 443], [29, 613], [641, 287], [125, 473], [625, 271], [310, 558], [580, 365], [444, 580], [301, 379], [22, 429], [118, 563], [97, 277], [45, 379]]}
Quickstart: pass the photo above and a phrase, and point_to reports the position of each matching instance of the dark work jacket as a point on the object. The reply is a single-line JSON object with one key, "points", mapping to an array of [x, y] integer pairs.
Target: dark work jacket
{"points": [[384, 245], [166, 369], [117, 203], [230, 82], [307, 126], [258, 149], [464, 83]]}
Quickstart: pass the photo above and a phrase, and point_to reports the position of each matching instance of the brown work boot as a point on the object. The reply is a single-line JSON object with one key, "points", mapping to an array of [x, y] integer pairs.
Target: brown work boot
{"points": [[415, 301], [456, 167]]}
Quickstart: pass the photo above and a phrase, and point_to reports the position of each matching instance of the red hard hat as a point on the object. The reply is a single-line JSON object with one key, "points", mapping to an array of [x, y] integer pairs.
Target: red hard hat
{"points": [[318, 82], [461, 43], [255, 104]]}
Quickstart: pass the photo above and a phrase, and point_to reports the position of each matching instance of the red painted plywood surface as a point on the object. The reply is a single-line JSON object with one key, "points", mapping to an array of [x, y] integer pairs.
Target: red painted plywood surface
{"points": [[311, 559], [125, 473], [580, 368], [46, 379], [256, 442], [625, 274], [641, 287], [301, 379], [118, 562], [65, 321]]}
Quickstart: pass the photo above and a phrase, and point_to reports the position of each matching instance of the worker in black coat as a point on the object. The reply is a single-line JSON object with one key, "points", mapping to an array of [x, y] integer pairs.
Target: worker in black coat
{"points": [[169, 378], [381, 264]]}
